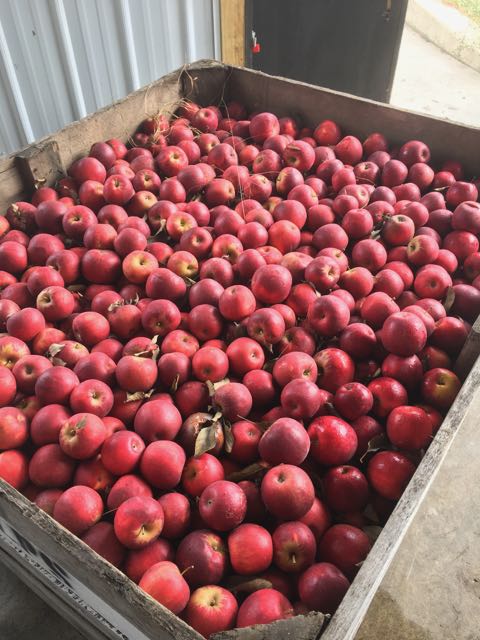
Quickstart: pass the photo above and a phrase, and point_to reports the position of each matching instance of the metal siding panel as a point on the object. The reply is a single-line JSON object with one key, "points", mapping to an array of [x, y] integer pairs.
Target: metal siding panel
{"points": [[71, 57]]}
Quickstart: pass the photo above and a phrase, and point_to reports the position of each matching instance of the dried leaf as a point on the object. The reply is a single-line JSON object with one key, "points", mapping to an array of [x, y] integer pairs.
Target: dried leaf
{"points": [[206, 440], [228, 435], [449, 299], [241, 584], [376, 444], [163, 223], [210, 387], [269, 364], [55, 348], [77, 288], [174, 385], [138, 395], [213, 386], [249, 473], [133, 301], [58, 362], [115, 305]]}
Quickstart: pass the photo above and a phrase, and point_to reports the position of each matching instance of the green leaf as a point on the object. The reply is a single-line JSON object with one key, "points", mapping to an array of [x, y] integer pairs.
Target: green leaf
{"points": [[206, 439]]}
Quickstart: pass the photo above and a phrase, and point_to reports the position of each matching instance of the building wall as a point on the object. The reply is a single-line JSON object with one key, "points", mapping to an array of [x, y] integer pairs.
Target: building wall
{"points": [[63, 59]]}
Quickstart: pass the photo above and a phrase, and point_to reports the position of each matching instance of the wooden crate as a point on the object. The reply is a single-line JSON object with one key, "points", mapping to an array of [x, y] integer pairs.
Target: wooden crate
{"points": [[97, 598]]}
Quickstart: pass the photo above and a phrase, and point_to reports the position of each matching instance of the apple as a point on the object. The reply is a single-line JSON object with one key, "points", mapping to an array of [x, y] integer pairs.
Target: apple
{"points": [[440, 388], [13, 428], [287, 491], [78, 509], [101, 538], [344, 546], [128, 486], [389, 472], [294, 547], [82, 436], [262, 607], [211, 609], [322, 587], [200, 472], [164, 582], [204, 553], [222, 505]]}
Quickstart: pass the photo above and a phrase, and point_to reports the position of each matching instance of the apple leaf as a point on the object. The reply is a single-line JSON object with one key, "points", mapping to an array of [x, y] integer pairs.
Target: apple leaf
{"points": [[376, 444], [133, 301], [116, 304], [206, 439], [372, 531], [213, 386], [242, 584], [138, 395], [81, 423], [77, 288], [449, 299], [331, 410], [249, 473], [229, 439], [174, 385], [58, 362], [55, 348]]}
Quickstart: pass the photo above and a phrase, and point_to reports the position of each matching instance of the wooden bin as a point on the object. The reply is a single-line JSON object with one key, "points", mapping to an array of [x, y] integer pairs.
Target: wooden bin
{"points": [[98, 599]]}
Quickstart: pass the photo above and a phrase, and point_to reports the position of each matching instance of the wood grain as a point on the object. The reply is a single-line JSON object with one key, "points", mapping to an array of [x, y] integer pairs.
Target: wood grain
{"points": [[232, 24]]}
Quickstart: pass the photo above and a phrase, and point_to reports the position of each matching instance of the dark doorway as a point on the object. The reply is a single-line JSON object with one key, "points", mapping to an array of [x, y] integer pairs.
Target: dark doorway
{"points": [[347, 45]]}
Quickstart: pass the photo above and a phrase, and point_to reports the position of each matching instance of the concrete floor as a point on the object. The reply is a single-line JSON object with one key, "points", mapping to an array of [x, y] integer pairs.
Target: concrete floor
{"points": [[427, 80], [432, 82], [24, 616]]}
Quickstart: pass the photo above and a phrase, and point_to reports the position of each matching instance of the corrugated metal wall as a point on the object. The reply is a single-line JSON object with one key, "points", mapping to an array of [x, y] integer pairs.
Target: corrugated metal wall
{"points": [[63, 59]]}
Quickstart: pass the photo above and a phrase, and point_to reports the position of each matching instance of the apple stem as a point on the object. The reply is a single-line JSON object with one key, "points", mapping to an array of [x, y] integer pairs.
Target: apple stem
{"points": [[192, 566]]}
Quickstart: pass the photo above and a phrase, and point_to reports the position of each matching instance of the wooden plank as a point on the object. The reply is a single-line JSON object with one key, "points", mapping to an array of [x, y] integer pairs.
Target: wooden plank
{"points": [[232, 26], [306, 627]]}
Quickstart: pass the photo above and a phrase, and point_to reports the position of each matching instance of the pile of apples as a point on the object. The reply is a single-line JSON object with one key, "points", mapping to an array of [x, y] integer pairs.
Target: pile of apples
{"points": [[226, 348]]}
